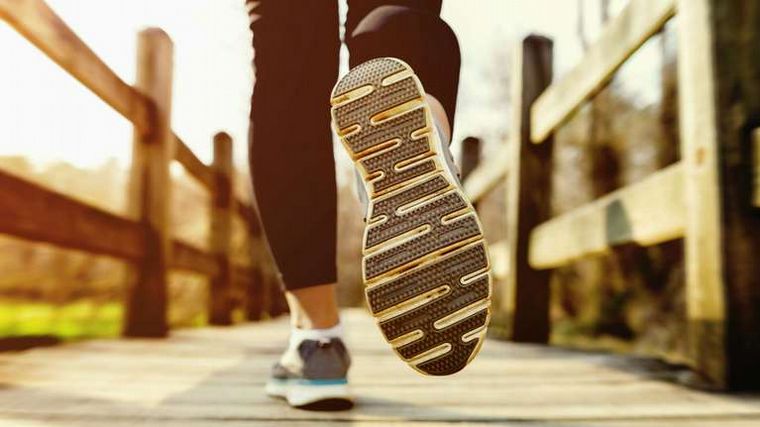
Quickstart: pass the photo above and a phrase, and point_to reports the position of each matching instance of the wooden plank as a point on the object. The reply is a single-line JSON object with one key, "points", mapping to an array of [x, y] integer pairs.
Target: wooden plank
{"points": [[595, 394], [192, 164], [648, 212], [205, 176], [719, 101], [705, 301], [488, 175], [618, 41], [220, 238], [34, 20], [95, 422], [526, 300], [499, 254], [189, 258], [32, 212], [150, 188], [377, 410], [247, 213], [167, 382]]}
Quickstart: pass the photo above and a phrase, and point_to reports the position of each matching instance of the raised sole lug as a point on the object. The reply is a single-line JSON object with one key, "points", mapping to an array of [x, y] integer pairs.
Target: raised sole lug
{"points": [[425, 264]]}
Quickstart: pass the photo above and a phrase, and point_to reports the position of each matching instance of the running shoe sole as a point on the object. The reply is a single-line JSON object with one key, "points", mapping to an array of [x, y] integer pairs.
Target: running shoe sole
{"points": [[425, 264], [316, 395]]}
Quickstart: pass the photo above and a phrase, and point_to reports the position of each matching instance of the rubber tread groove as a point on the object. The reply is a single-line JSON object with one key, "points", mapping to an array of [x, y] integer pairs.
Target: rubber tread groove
{"points": [[422, 232]]}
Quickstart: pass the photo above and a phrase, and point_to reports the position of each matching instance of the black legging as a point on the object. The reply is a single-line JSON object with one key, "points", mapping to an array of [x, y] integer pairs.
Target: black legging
{"points": [[296, 45]]}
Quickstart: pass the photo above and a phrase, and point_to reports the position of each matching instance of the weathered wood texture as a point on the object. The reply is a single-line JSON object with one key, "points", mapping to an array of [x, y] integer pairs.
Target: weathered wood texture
{"points": [[617, 42], [192, 164], [719, 90], [649, 212], [189, 258], [220, 238], [215, 377], [32, 212], [526, 301], [145, 242], [499, 254], [247, 212], [40, 25], [488, 175], [205, 175], [26, 211], [150, 188]]}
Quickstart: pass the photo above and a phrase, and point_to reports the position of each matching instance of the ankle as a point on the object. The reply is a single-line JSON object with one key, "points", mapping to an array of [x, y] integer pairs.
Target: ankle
{"points": [[314, 322], [314, 307]]}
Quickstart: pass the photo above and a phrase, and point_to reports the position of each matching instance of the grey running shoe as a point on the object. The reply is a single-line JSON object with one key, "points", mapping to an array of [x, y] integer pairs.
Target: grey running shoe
{"points": [[425, 265], [313, 376]]}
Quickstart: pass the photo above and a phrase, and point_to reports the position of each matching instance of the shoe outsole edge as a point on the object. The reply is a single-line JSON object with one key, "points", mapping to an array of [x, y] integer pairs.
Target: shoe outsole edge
{"points": [[425, 263]]}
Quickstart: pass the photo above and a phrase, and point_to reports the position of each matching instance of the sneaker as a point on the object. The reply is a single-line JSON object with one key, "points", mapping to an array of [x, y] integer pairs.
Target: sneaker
{"points": [[313, 376], [425, 265]]}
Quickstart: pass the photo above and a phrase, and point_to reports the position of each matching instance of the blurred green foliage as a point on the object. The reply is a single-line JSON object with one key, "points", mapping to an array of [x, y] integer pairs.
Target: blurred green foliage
{"points": [[80, 319]]}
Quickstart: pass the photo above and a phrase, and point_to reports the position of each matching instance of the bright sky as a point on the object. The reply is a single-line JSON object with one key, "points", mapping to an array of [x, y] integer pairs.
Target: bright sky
{"points": [[48, 116]]}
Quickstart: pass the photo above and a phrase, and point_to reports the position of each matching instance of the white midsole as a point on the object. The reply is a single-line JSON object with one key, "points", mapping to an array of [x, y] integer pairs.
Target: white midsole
{"points": [[298, 394]]}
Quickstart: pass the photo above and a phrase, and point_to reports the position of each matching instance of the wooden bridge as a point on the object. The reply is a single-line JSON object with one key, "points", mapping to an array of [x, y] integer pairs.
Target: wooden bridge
{"points": [[215, 376], [710, 199]]}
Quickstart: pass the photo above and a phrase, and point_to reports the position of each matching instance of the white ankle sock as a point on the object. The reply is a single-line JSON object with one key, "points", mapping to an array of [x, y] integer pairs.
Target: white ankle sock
{"points": [[297, 335]]}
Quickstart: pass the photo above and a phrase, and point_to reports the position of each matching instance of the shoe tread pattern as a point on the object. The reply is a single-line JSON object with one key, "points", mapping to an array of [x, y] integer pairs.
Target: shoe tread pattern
{"points": [[422, 233]]}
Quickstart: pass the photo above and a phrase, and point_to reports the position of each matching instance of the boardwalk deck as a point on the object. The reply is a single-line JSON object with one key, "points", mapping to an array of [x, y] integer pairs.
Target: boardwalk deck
{"points": [[214, 377]]}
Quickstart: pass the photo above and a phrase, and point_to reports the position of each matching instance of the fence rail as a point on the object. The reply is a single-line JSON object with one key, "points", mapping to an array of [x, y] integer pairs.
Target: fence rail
{"points": [[619, 41], [647, 213], [27, 211], [192, 164], [709, 198], [143, 239], [37, 22]]}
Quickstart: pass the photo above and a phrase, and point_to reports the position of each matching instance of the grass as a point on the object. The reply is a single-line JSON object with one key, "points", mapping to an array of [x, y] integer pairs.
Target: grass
{"points": [[80, 319]]}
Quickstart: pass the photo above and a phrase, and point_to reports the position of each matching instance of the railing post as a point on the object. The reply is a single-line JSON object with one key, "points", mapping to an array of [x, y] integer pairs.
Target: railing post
{"points": [[470, 157], [525, 304], [719, 100], [222, 204], [149, 189]]}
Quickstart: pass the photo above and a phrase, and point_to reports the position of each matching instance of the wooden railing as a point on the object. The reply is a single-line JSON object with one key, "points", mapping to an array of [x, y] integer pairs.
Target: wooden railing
{"points": [[33, 212], [708, 198]]}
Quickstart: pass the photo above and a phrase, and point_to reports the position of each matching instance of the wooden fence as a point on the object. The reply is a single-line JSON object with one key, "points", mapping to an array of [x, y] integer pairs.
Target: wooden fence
{"points": [[709, 198], [35, 213]]}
